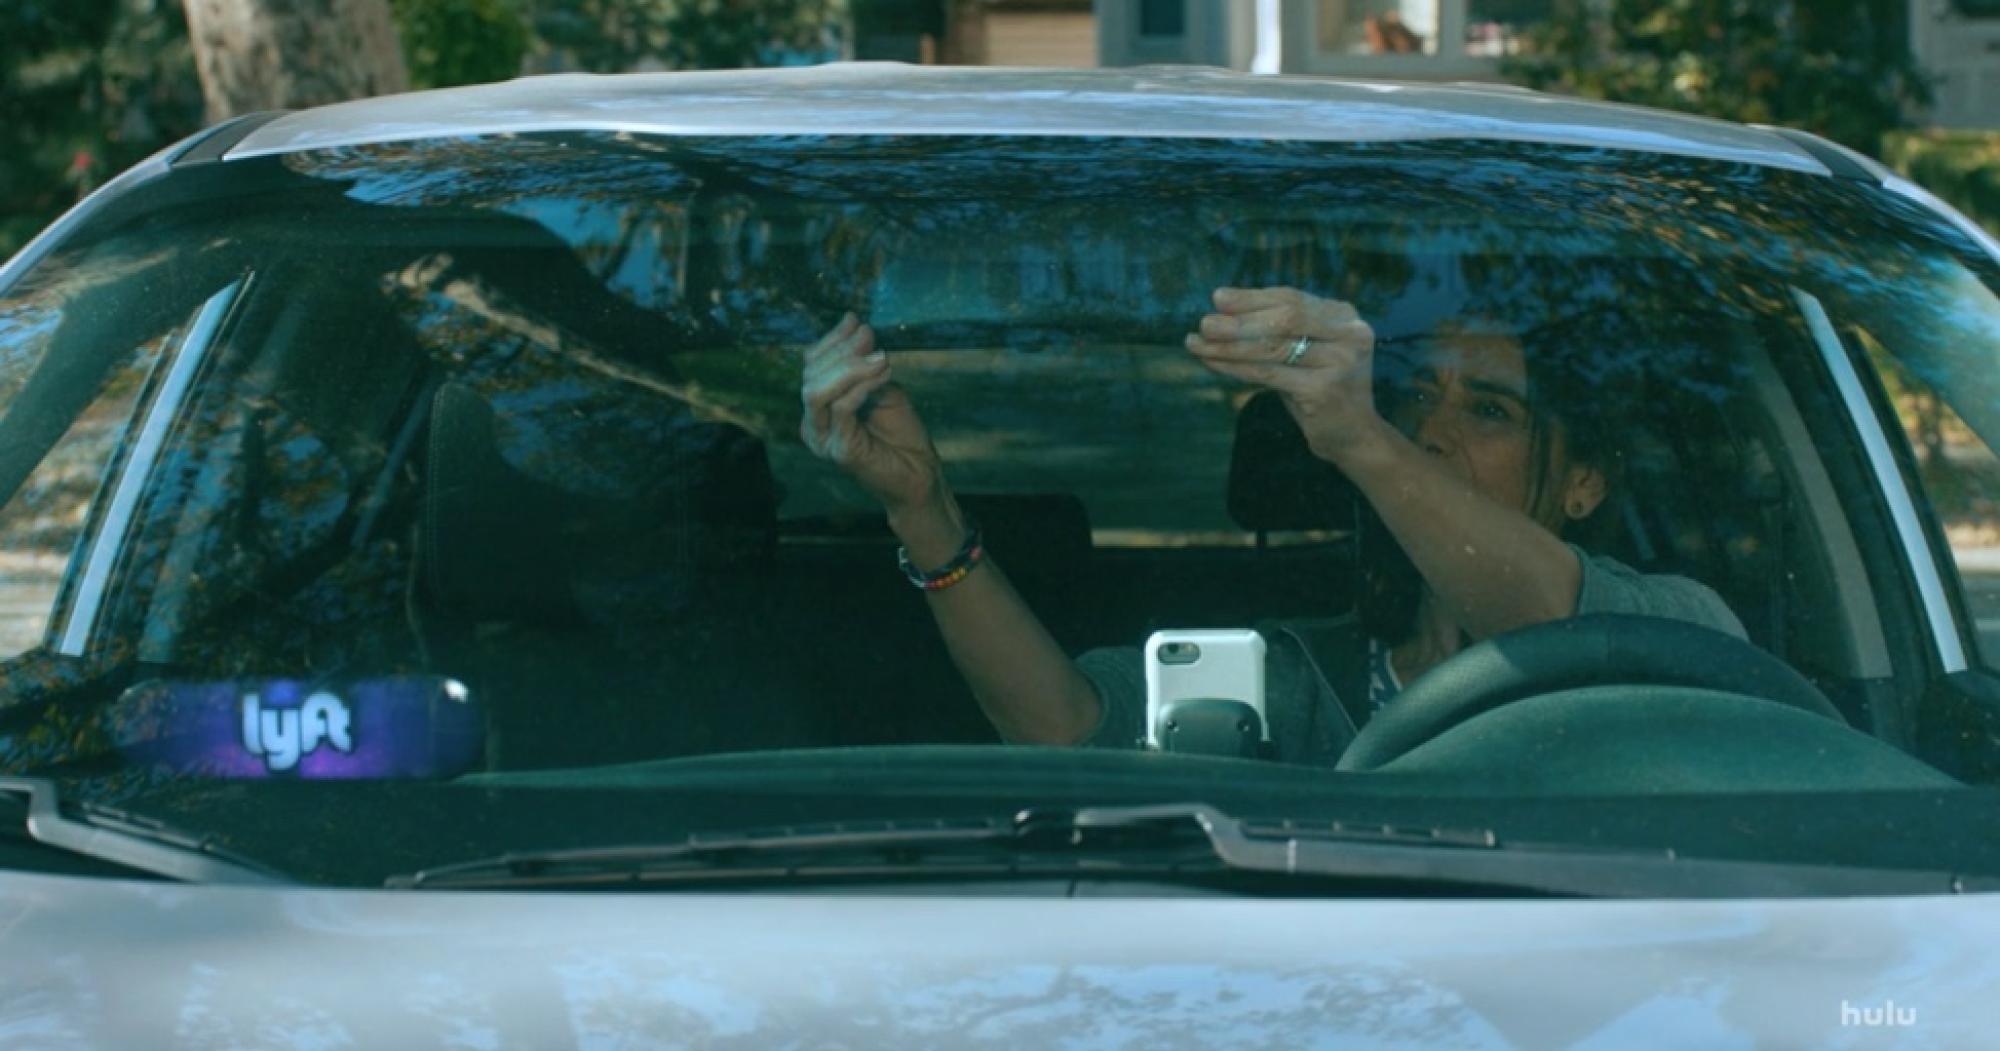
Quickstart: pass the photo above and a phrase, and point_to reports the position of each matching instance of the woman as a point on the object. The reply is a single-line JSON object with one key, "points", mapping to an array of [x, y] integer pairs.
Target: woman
{"points": [[1476, 479]]}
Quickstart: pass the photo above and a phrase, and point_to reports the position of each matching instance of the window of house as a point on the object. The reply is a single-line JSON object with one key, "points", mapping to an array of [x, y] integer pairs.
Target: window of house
{"points": [[1162, 18], [1378, 27], [1420, 39], [1495, 28]]}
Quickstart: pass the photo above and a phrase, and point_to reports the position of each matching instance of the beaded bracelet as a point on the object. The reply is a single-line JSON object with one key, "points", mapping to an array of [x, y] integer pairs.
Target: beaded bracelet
{"points": [[969, 555]]}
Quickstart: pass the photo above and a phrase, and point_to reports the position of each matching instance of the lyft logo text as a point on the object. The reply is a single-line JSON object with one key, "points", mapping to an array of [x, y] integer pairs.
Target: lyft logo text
{"points": [[283, 736]]}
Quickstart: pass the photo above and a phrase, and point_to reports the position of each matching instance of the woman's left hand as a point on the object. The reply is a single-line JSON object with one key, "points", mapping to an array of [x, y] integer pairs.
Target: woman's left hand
{"points": [[1316, 353]]}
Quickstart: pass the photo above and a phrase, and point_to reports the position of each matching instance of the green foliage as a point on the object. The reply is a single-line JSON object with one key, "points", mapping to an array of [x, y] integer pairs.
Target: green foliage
{"points": [[1962, 167], [451, 42], [1841, 68], [87, 89], [612, 36], [91, 87]]}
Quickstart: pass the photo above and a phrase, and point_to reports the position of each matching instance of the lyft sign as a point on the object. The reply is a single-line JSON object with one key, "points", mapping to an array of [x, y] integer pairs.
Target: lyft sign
{"points": [[285, 735], [398, 726]]}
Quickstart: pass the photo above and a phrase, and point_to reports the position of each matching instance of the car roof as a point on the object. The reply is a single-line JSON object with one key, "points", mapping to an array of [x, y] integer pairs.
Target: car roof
{"points": [[894, 98]]}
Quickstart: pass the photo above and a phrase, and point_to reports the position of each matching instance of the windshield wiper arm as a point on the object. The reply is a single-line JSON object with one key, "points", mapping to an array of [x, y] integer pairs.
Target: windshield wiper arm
{"points": [[133, 841], [1177, 840]]}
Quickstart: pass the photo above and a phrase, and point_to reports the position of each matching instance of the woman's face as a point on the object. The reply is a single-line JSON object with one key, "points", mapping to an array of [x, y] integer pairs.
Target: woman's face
{"points": [[1465, 401]]}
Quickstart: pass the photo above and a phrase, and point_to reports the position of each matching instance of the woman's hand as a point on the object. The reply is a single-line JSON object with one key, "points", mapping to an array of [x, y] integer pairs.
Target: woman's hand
{"points": [[1327, 382], [858, 418]]}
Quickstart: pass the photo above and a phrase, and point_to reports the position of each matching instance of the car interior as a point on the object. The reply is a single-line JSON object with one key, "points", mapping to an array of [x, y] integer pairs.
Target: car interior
{"points": [[691, 614]]}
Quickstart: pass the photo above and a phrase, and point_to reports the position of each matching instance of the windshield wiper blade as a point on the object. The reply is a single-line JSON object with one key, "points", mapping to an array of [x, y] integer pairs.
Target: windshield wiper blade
{"points": [[1179, 839], [1557, 869], [1175, 841], [845, 847], [136, 842], [1109, 838]]}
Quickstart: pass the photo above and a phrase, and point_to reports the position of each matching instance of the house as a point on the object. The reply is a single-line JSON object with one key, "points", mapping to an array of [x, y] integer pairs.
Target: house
{"points": [[1956, 41], [977, 32]]}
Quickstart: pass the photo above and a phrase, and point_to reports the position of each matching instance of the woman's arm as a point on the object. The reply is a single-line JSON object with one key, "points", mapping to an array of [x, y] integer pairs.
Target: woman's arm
{"points": [[1024, 682], [858, 418], [1493, 567]]}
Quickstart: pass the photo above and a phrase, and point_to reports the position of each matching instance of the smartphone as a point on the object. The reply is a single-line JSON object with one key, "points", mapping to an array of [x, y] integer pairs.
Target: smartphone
{"points": [[1205, 691]]}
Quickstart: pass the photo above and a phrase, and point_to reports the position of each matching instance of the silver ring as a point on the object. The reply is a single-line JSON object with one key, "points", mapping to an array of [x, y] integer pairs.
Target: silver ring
{"points": [[1299, 349]]}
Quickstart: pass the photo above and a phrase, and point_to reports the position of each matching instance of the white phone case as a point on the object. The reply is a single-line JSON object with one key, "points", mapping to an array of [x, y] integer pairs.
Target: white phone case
{"points": [[1229, 664]]}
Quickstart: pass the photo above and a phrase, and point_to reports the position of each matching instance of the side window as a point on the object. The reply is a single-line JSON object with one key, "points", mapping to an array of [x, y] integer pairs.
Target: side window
{"points": [[1959, 475], [66, 412]]}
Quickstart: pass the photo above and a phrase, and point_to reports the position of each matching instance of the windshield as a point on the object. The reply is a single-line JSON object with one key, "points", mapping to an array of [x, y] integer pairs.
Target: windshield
{"points": [[455, 496]]}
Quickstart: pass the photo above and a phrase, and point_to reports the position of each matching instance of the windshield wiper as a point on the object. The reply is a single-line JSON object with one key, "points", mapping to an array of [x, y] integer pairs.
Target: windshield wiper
{"points": [[130, 840], [1175, 841]]}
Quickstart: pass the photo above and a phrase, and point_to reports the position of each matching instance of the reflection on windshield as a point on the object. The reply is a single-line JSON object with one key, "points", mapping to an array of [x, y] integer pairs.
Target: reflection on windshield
{"points": [[536, 416], [946, 231]]}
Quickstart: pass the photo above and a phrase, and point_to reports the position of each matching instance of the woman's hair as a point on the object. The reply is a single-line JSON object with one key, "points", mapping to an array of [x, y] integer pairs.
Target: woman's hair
{"points": [[1581, 371]]}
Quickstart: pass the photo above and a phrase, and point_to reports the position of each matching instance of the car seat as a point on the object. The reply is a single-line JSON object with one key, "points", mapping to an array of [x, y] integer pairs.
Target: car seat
{"points": [[599, 624], [1276, 486], [875, 660]]}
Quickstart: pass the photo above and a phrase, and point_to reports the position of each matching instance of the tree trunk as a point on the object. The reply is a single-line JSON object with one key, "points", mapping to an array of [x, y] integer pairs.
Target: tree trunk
{"points": [[286, 54]]}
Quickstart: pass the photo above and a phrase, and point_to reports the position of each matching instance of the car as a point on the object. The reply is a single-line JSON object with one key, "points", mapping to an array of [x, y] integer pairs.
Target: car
{"points": [[432, 620]]}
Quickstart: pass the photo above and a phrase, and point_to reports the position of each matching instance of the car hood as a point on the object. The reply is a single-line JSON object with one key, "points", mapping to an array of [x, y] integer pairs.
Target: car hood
{"points": [[127, 964]]}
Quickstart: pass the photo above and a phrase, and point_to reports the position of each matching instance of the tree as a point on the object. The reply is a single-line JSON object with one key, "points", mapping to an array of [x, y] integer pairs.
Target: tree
{"points": [[614, 36], [1841, 68], [285, 54], [87, 88], [451, 42]]}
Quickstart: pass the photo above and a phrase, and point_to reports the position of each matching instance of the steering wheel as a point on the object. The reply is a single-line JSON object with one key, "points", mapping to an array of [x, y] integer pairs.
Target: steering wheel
{"points": [[1601, 649]]}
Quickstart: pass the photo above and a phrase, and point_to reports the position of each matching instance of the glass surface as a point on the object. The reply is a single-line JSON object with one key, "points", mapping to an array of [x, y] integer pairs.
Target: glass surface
{"points": [[57, 464], [1938, 390], [506, 435]]}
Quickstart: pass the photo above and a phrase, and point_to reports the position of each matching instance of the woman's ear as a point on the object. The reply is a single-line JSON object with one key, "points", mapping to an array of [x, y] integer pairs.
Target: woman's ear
{"points": [[1583, 489]]}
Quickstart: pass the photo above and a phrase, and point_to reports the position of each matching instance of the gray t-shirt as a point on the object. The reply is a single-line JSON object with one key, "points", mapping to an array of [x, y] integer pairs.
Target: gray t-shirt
{"points": [[1291, 690]]}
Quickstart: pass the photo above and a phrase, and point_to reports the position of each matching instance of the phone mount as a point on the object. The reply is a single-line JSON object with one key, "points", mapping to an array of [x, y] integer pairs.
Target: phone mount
{"points": [[1211, 726]]}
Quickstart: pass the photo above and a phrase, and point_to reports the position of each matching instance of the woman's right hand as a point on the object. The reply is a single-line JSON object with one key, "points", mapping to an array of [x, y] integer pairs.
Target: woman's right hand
{"points": [[857, 417]]}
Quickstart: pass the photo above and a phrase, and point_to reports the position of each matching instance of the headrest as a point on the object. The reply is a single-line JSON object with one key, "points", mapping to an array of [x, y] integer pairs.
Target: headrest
{"points": [[1276, 484], [665, 508], [1032, 532]]}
